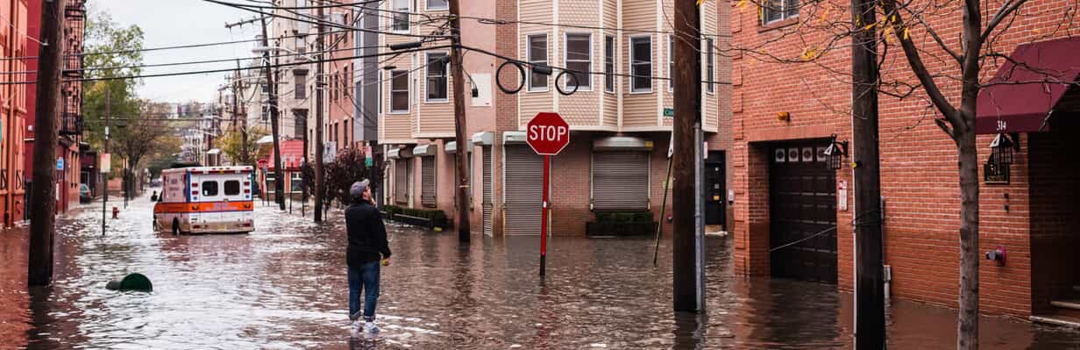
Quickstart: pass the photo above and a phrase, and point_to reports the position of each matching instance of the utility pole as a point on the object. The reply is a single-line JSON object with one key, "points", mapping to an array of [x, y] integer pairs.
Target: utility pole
{"points": [[237, 88], [687, 100], [43, 193], [869, 243], [464, 234], [320, 178], [279, 180]]}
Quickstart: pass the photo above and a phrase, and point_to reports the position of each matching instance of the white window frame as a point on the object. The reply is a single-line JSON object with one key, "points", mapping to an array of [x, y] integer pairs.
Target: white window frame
{"points": [[630, 64], [446, 6], [609, 62], [427, 77], [783, 11], [408, 91], [528, 72], [566, 61], [671, 63], [710, 66], [394, 16]]}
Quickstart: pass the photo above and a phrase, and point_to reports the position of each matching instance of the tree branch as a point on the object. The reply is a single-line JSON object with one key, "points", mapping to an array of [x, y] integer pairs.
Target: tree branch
{"points": [[917, 66], [1006, 9]]}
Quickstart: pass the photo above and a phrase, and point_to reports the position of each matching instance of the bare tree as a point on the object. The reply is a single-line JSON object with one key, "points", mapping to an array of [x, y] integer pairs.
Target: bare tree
{"points": [[950, 84]]}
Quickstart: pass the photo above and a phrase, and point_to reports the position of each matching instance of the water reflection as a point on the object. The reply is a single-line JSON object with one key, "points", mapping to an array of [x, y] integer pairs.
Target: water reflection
{"points": [[284, 287]]}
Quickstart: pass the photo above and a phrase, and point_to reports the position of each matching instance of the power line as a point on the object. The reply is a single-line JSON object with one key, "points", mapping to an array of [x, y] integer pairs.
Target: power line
{"points": [[279, 65], [323, 22]]}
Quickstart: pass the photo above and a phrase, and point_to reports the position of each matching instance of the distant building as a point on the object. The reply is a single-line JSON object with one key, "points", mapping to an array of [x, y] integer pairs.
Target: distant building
{"points": [[15, 112]]}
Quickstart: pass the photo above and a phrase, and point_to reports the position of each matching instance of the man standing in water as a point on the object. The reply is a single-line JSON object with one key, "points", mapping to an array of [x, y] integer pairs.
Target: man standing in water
{"points": [[367, 246]]}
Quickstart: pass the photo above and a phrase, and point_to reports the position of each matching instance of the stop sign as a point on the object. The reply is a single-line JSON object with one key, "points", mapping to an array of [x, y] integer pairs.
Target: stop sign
{"points": [[547, 133]]}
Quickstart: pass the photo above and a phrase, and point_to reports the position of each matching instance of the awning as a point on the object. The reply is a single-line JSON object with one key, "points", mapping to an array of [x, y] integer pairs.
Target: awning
{"points": [[483, 138], [424, 150], [451, 147], [514, 137], [1028, 87], [265, 139], [399, 153], [292, 155], [622, 143]]}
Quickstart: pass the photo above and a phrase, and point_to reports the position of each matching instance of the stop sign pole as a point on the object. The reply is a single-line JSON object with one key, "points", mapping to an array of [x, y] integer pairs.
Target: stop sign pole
{"points": [[547, 134]]}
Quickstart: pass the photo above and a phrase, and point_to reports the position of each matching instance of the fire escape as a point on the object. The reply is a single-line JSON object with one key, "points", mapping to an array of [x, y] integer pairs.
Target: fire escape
{"points": [[71, 119]]}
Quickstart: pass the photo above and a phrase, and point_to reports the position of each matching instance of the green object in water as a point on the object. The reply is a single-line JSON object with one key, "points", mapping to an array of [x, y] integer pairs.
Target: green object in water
{"points": [[134, 281]]}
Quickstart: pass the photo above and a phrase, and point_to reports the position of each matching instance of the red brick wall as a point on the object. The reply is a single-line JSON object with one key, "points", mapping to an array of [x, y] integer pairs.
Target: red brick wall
{"points": [[919, 162], [506, 105]]}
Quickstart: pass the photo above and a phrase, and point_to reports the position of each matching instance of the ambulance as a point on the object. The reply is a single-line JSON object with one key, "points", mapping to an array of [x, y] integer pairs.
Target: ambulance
{"points": [[197, 200]]}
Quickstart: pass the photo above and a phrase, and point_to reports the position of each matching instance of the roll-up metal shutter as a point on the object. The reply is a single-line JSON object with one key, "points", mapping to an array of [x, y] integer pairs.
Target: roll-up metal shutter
{"points": [[427, 187], [620, 180], [524, 179], [401, 181], [488, 203]]}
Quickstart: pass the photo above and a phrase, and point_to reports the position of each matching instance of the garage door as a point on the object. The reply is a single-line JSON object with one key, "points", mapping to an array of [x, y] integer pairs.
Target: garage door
{"points": [[427, 178], [401, 180], [802, 201], [620, 180], [524, 182]]}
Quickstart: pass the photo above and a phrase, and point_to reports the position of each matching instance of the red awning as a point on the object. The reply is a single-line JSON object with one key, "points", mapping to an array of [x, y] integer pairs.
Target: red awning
{"points": [[1022, 94]]}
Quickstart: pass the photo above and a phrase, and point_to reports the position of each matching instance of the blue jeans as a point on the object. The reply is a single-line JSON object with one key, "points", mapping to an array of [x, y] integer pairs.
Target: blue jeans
{"points": [[364, 278]]}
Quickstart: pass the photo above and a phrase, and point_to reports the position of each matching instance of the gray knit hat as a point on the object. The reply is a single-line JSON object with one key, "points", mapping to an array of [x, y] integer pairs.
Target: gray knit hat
{"points": [[356, 191]]}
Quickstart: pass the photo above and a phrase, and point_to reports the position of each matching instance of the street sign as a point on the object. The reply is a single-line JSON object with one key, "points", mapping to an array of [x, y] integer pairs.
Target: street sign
{"points": [[105, 165], [548, 134], [669, 112], [59, 164], [368, 160]]}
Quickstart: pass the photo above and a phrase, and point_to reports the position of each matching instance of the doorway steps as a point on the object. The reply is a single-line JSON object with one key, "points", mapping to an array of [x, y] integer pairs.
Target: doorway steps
{"points": [[1066, 312]]}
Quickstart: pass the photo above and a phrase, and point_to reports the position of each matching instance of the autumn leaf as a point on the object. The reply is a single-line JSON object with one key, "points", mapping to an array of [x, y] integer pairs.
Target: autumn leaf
{"points": [[907, 33], [810, 53]]}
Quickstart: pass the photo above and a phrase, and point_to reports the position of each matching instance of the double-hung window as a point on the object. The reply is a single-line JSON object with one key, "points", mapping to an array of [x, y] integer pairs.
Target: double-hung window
{"points": [[400, 17], [300, 86], [437, 5], [399, 91], [579, 60], [609, 63], [779, 10], [641, 64], [537, 55], [437, 82]]}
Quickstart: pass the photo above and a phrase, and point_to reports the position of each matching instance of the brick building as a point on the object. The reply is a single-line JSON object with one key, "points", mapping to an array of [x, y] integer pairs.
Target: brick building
{"points": [[786, 193], [616, 161], [71, 93], [14, 42]]}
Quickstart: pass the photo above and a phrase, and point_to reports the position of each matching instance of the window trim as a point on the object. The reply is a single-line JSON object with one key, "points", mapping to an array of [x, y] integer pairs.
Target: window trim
{"points": [[528, 58], [630, 64], [671, 63], [446, 75], [393, 17], [429, 8], [609, 54], [408, 91], [566, 60], [783, 13]]}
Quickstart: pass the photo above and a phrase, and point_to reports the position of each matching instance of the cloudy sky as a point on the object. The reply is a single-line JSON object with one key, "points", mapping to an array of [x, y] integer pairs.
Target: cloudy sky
{"points": [[182, 22]]}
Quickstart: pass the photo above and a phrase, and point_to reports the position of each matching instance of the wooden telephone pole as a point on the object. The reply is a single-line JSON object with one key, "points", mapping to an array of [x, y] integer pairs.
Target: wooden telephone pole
{"points": [[869, 243], [463, 189], [687, 121], [279, 179], [320, 177], [43, 193]]}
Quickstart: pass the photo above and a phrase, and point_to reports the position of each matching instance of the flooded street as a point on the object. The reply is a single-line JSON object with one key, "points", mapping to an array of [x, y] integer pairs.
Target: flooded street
{"points": [[284, 287]]}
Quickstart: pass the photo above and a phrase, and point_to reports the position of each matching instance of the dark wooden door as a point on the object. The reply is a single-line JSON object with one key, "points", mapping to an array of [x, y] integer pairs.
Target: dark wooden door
{"points": [[802, 204], [715, 190]]}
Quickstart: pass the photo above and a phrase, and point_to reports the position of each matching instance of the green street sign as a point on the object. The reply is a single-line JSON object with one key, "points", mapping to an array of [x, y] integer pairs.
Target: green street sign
{"points": [[669, 112], [368, 162]]}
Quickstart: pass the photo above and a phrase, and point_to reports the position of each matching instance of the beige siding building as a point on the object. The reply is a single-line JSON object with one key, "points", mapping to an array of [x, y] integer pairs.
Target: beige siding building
{"points": [[611, 61]]}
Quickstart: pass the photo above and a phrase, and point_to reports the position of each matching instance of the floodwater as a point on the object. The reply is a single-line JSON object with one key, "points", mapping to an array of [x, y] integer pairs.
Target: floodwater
{"points": [[284, 287]]}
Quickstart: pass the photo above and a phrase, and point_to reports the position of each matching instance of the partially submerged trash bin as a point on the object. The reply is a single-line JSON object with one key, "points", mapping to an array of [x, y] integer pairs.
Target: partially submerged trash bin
{"points": [[134, 281]]}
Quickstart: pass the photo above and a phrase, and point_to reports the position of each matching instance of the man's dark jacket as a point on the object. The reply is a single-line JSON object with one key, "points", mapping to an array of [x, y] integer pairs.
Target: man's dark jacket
{"points": [[367, 234]]}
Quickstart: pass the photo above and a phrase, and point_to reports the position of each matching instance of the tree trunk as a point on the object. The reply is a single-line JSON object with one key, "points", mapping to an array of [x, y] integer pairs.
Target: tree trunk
{"points": [[968, 332]]}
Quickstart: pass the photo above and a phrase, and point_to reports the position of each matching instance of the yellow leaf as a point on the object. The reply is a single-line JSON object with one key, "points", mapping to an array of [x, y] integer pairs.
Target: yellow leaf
{"points": [[907, 33], [1036, 30], [741, 4], [699, 2], [869, 26]]}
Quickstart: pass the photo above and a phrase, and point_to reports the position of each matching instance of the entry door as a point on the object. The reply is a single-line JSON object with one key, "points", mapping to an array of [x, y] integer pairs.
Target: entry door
{"points": [[715, 188], [524, 182], [488, 201], [802, 204]]}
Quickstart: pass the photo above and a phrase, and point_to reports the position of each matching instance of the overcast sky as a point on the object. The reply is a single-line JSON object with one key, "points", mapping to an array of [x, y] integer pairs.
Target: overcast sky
{"points": [[182, 22]]}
